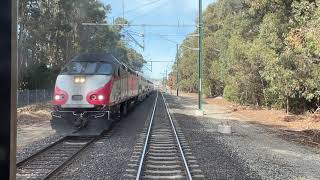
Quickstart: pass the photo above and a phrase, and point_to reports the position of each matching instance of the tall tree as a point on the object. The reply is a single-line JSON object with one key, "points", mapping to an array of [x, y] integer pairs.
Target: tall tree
{"points": [[261, 52], [51, 33]]}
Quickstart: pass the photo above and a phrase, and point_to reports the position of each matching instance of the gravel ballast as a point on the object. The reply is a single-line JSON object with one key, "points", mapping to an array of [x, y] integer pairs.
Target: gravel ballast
{"points": [[108, 158], [250, 152], [36, 146], [34, 131]]}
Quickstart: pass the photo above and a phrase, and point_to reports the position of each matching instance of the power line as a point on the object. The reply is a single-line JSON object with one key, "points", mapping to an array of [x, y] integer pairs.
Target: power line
{"points": [[135, 33], [147, 12], [135, 41], [191, 35], [141, 25], [139, 7], [175, 42]]}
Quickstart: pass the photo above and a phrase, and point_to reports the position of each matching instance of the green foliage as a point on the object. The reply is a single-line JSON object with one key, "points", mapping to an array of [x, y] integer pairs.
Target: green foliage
{"points": [[303, 11], [261, 52], [231, 93], [39, 76], [51, 33]]}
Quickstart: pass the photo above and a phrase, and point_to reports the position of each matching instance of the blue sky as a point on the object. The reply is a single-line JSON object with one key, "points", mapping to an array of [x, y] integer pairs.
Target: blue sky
{"points": [[157, 46]]}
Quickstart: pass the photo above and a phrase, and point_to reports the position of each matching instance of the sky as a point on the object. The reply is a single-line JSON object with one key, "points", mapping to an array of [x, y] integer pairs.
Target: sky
{"points": [[160, 42]]}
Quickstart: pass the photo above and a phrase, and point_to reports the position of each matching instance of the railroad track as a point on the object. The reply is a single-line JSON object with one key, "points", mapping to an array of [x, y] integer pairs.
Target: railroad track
{"points": [[48, 162], [161, 151]]}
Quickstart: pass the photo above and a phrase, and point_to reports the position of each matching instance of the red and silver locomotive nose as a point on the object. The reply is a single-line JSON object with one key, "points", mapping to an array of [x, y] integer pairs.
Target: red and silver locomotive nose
{"points": [[100, 96], [60, 96], [85, 91]]}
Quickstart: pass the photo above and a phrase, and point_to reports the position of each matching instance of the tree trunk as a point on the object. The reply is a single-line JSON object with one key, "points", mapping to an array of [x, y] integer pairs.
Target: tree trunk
{"points": [[287, 109]]}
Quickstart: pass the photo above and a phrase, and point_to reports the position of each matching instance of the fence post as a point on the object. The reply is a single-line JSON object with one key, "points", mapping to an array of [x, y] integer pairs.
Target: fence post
{"points": [[28, 96], [43, 95], [36, 96]]}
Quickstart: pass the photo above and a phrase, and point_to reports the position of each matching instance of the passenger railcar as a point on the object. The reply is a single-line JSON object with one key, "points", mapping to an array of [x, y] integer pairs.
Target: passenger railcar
{"points": [[92, 89]]}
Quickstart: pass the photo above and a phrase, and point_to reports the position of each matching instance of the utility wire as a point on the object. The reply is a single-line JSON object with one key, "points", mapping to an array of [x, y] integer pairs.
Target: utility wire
{"points": [[138, 7], [134, 18], [175, 42], [141, 25], [172, 35]]}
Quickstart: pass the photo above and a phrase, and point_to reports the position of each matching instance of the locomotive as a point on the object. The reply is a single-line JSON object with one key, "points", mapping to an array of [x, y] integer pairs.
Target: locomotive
{"points": [[91, 90]]}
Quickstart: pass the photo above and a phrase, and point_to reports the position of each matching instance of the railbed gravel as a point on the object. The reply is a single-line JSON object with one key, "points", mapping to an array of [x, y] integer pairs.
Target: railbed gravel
{"points": [[36, 146], [108, 158], [250, 152]]}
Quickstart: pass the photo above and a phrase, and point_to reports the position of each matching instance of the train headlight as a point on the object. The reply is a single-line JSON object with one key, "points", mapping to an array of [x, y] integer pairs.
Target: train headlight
{"points": [[97, 97], [79, 80], [100, 97], [82, 80], [58, 97]]}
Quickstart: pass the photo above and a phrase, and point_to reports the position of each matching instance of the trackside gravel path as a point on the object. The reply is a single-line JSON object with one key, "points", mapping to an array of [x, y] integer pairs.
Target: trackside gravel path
{"points": [[250, 152]]}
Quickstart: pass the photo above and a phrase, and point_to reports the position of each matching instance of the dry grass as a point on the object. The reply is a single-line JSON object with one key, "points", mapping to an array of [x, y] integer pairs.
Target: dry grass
{"points": [[33, 114], [273, 117], [304, 129]]}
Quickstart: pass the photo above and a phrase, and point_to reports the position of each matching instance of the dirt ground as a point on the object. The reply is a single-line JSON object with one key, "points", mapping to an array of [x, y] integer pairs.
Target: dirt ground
{"points": [[278, 118], [33, 123], [307, 125]]}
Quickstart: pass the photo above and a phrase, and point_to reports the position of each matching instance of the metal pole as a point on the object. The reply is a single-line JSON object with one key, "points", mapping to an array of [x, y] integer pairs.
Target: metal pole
{"points": [[177, 78], [123, 9], [200, 57], [166, 79]]}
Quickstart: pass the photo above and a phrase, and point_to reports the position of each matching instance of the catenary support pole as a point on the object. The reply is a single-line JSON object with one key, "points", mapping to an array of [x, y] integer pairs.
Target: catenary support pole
{"points": [[177, 62], [166, 79], [200, 58]]}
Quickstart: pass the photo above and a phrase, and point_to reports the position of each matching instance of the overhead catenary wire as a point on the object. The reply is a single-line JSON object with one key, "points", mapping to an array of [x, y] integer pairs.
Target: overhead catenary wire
{"points": [[141, 6], [143, 14], [141, 25], [175, 42], [124, 12]]}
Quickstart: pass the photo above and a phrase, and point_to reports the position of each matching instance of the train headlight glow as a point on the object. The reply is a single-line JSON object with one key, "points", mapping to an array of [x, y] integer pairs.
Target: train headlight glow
{"points": [[58, 97], [100, 97], [82, 80], [79, 80]]}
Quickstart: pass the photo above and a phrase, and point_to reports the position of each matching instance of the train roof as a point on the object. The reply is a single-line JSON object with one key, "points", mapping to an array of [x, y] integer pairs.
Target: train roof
{"points": [[97, 57], [103, 57]]}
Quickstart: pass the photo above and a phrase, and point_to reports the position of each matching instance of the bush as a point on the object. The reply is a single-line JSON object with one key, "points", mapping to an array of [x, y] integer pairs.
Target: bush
{"points": [[231, 93], [38, 76]]}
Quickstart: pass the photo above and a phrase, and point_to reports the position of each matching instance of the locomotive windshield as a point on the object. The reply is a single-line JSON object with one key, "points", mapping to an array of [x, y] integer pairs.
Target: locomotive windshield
{"points": [[87, 68]]}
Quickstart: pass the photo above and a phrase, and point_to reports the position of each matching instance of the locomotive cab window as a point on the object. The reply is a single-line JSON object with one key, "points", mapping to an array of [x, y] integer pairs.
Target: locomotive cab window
{"points": [[104, 68], [87, 68]]}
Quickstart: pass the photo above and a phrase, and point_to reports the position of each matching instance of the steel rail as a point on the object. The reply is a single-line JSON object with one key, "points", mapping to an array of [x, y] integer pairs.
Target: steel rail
{"points": [[65, 163], [147, 140], [58, 168], [178, 141], [29, 158]]}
